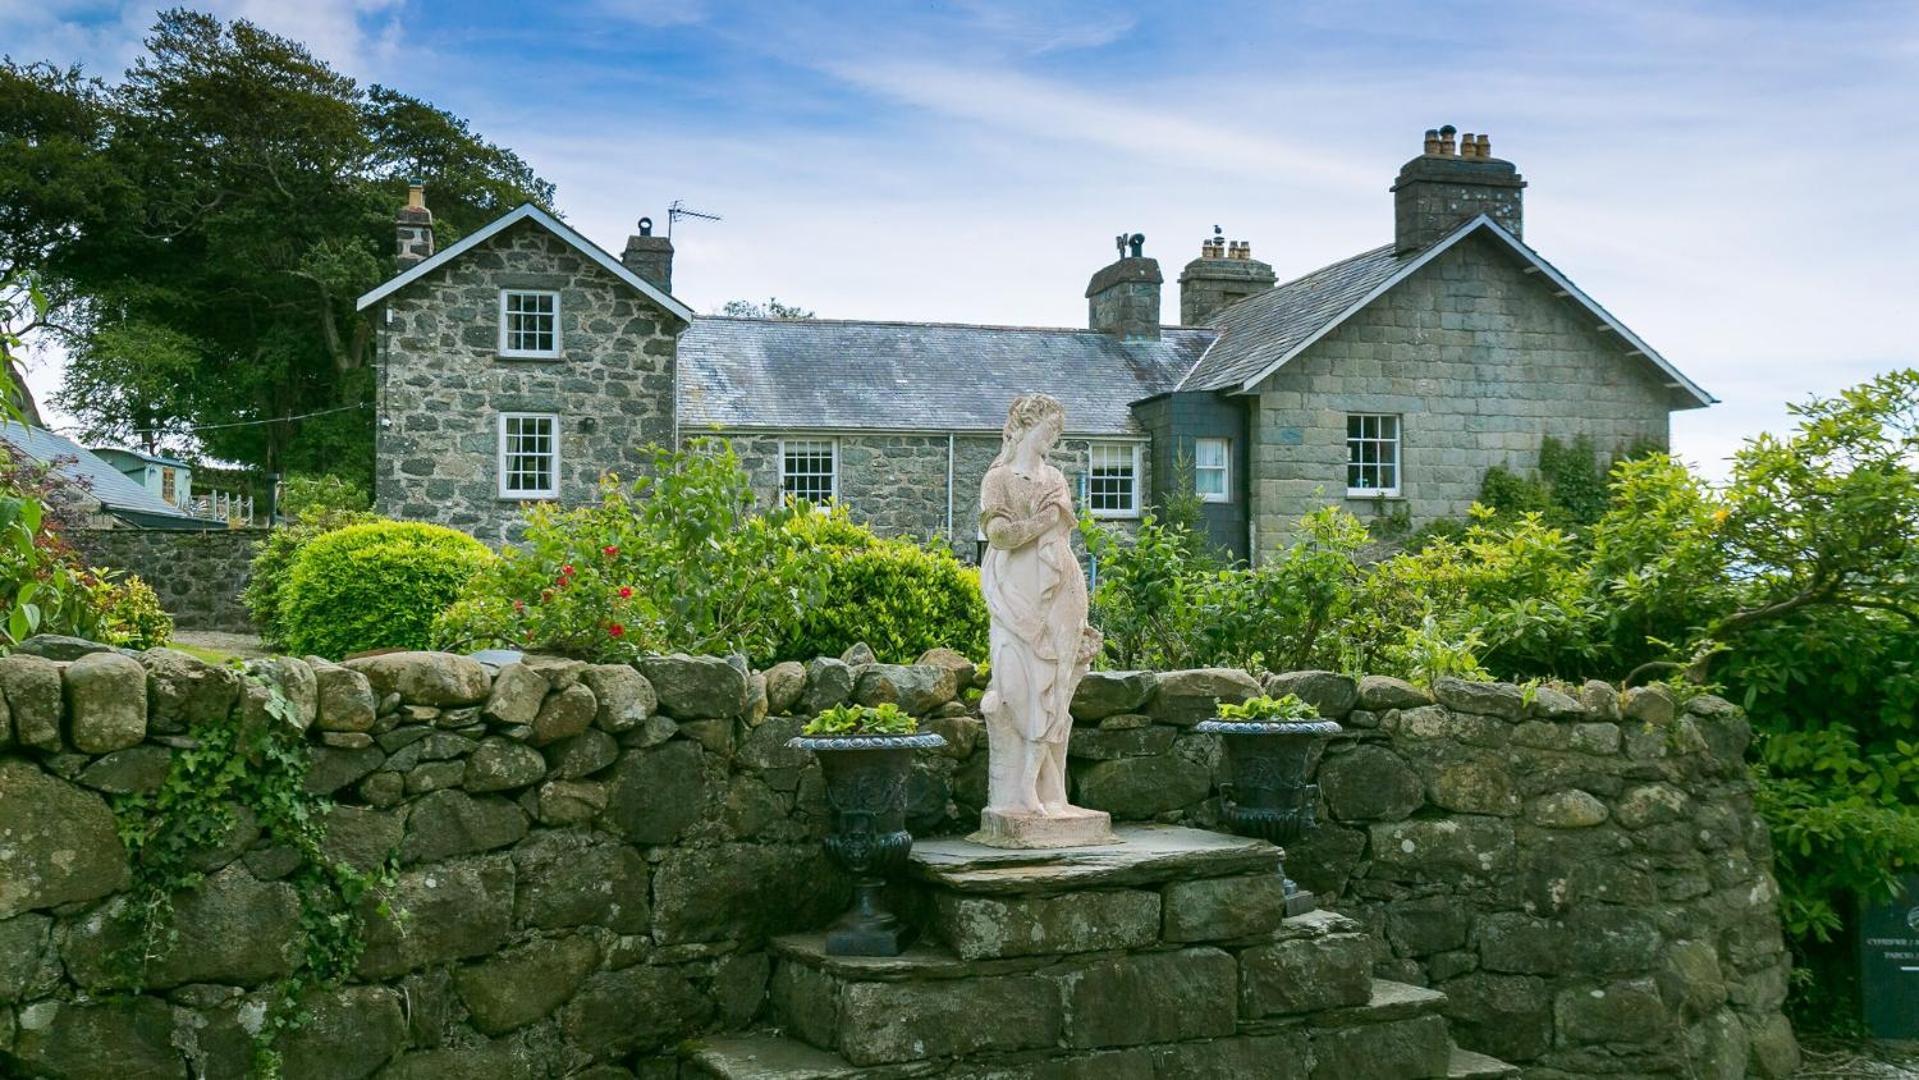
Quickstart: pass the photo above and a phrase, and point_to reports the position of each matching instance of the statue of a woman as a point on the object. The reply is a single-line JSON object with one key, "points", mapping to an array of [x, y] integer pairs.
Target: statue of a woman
{"points": [[1040, 642]]}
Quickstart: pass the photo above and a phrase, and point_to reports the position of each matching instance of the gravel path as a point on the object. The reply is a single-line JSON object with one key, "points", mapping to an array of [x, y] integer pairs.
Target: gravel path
{"points": [[1837, 1059]]}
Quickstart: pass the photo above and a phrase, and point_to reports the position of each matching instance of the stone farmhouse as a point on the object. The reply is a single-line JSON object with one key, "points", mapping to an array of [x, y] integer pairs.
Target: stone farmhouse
{"points": [[523, 361]]}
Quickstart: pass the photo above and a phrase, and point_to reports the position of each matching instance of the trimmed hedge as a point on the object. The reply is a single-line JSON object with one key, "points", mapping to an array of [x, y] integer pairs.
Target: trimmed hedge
{"points": [[375, 586]]}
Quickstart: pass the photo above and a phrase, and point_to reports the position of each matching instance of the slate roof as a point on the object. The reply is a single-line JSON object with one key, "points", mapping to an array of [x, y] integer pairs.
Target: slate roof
{"points": [[832, 374], [1258, 331], [78, 465], [1265, 330]]}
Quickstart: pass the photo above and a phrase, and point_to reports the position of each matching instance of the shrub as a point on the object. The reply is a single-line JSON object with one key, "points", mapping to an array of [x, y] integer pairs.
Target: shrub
{"points": [[898, 597], [273, 562], [681, 560], [131, 615], [309, 496], [883, 719], [376, 585]]}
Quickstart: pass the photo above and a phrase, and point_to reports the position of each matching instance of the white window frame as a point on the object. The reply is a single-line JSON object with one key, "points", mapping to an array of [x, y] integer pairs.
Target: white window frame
{"points": [[1396, 444], [1093, 450], [530, 354], [500, 461], [832, 478], [1224, 469]]}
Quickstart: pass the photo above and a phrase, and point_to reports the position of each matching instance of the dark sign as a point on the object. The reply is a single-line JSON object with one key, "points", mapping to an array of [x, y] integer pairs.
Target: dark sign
{"points": [[1889, 965]]}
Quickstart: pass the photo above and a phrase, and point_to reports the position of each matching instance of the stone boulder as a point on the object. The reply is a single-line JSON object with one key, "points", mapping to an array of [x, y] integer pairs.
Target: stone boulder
{"points": [[785, 683], [564, 715], [1379, 693], [573, 878], [454, 910], [915, 688], [182, 688], [962, 668], [426, 678], [503, 765], [1187, 697], [829, 682], [1502, 700], [346, 701], [348, 1033], [35, 700], [448, 823], [523, 984], [657, 794], [231, 928], [516, 695], [296, 683], [1370, 783], [132, 1037], [61, 843], [60, 647], [1139, 787], [106, 702], [625, 698], [635, 1009], [1109, 693], [1334, 695], [696, 687]]}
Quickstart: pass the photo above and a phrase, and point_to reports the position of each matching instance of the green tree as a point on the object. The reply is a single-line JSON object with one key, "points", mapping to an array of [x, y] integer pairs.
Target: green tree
{"points": [[772, 309], [204, 226]]}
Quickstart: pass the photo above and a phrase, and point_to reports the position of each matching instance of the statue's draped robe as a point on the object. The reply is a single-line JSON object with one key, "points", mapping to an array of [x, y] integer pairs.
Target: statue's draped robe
{"points": [[1036, 597]]}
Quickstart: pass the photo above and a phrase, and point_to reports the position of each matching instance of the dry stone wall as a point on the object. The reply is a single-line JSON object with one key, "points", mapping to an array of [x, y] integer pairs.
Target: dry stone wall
{"points": [[594, 860], [198, 576]]}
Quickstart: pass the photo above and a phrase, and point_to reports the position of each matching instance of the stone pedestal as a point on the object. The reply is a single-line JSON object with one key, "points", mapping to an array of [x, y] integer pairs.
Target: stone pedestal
{"points": [[1167, 953], [1072, 827]]}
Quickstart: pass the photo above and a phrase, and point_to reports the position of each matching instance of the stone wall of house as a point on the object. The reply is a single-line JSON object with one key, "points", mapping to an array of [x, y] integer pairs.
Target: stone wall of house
{"points": [[1479, 360], [593, 859], [897, 484], [198, 576], [443, 384]]}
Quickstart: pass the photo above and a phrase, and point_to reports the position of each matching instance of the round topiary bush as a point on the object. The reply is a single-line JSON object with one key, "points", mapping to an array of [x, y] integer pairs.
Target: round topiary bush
{"points": [[375, 586], [897, 596]]}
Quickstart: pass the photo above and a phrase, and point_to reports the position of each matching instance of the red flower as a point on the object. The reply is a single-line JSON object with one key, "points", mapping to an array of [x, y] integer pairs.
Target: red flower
{"points": [[615, 629], [626, 592], [567, 570], [519, 605], [609, 551]]}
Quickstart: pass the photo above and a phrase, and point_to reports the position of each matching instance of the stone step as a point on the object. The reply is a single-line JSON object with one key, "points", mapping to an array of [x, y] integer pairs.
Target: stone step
{"points": [[1467, 1065], [764, 1056], [1146, 855]]}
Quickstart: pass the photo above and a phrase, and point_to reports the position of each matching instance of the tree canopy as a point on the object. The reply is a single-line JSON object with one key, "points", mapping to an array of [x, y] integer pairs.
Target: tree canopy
{"points": [[202, 228]]}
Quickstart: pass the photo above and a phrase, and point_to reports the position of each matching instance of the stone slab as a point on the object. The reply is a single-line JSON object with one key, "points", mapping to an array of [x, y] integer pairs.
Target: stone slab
{"points": [[1073, 827], [920, 962], [1144, 855], [769, 1057], [980, 927]]}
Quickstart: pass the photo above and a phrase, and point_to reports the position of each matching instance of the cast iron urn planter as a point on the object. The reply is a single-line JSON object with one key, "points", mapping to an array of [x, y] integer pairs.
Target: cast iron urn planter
{"points": [[1268, 796], [866, 777]]}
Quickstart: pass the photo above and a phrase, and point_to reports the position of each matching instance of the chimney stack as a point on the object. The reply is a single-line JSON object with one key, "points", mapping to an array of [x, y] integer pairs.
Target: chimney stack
{"points": [[1438, 191], [1123, 297], [649, 256], [1225, 273], [413, 229]]}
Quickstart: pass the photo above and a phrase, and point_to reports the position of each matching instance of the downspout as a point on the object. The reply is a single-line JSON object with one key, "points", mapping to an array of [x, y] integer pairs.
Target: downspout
{"points": [[950, 541]]}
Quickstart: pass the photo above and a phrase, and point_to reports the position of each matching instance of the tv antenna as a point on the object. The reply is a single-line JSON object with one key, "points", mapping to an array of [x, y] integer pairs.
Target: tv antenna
{"points": [[678, 210]]}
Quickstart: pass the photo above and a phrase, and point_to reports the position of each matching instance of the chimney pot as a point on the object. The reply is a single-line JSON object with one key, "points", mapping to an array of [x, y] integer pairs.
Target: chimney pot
{"points": [[1467, 147], [1484, 148], [1432, 141], [1446, 140], [413, 229]]}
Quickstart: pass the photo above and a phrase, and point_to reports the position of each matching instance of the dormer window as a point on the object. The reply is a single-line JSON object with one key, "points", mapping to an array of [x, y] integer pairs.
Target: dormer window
{"points": [[530, 324]]}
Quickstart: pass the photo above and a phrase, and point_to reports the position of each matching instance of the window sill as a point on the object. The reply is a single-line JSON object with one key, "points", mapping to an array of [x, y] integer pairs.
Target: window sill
{"points": [[1115, 515], [1373, 495], [551, 358], [528, 498]]}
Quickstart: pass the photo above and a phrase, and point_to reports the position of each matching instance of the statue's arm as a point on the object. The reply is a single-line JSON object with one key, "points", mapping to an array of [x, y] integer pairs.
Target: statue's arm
{"points": [[1007, 534]]}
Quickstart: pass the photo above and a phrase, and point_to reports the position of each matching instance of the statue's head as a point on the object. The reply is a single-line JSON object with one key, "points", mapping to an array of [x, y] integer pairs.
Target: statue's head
{"points": [[1033, 414]]}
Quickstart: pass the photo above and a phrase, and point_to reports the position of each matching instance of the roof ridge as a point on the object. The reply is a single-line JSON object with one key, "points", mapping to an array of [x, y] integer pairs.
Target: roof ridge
{"points": [[928, 324]]}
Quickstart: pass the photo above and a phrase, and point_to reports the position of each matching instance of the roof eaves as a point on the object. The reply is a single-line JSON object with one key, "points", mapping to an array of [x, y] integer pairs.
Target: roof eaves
{"points": [[553, 225], [1679, 380]]}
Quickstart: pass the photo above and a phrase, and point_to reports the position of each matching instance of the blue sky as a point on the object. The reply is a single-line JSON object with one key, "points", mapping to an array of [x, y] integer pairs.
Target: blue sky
{"points": [[1734, 181]]}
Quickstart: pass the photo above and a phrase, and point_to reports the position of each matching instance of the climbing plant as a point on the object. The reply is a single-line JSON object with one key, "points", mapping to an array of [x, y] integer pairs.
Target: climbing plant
{"points": [[254, 756]]}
